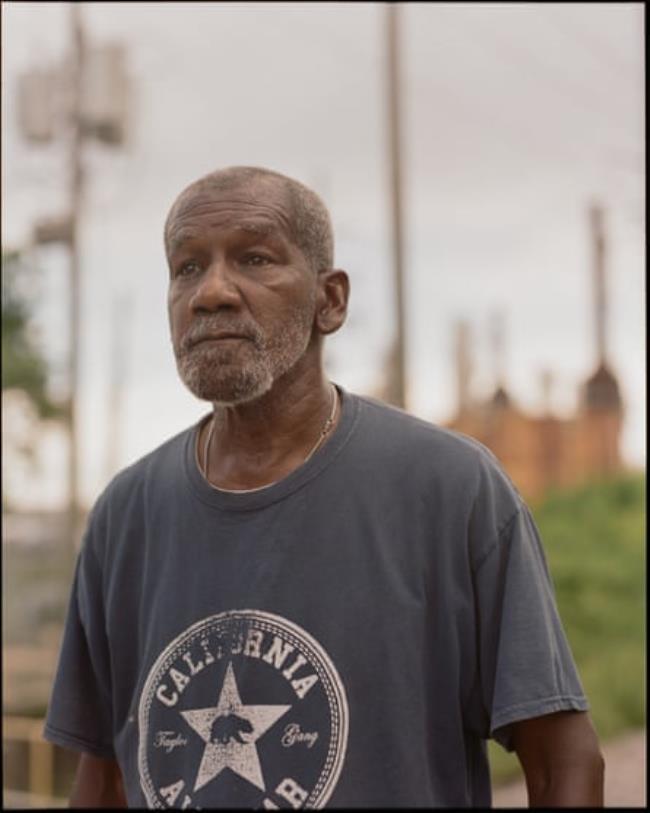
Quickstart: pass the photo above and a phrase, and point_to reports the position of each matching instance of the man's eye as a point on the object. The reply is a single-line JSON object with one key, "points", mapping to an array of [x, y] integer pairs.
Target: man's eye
{"points": [[256, 259], [187, 268]]}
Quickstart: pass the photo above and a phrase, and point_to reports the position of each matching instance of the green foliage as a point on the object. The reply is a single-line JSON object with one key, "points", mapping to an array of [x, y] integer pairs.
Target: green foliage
{"points": [[594, 542], [23, 365], [595, 547]]}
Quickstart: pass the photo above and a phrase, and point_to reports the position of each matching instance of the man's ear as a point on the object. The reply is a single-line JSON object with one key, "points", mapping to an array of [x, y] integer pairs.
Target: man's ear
{"points": [[332, 300]]}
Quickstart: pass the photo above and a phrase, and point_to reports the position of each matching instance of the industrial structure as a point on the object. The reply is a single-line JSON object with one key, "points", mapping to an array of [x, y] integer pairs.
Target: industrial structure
{"points": [[544, 452]]}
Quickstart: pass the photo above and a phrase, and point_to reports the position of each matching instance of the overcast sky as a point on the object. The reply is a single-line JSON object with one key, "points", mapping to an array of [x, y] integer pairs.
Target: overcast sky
{"points": [[515, 118]]}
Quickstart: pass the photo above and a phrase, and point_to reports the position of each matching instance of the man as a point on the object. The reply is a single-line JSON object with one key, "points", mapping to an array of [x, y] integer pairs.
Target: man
{"points": [[309, 597]]}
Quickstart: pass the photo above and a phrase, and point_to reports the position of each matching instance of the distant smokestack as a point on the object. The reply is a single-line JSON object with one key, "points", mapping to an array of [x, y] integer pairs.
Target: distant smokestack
{"points": [[600, 298], [497, 343], [463, 366], [601, 390], [545, 386]]}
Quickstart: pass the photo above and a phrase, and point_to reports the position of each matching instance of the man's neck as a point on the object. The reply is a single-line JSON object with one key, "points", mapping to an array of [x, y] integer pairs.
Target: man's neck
{"points": [[262, 441]]}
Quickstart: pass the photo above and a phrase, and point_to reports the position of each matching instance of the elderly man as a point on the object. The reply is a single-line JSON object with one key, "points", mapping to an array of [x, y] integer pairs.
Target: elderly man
{"points": [[309, 597]]}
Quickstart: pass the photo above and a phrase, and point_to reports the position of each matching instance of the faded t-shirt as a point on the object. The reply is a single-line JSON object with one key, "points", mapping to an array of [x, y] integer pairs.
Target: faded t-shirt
{"points": [[350, 635]]}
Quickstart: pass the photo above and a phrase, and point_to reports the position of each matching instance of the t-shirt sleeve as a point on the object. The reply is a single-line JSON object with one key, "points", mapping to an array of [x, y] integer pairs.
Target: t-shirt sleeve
{"points": [[79, 714], [526, 666]]}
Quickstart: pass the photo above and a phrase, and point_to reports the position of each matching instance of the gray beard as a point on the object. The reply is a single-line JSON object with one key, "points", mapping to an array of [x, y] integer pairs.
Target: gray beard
{"points": [[235, 376]]}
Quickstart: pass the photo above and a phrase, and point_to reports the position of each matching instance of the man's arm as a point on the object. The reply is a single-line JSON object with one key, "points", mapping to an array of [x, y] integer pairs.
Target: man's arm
{"points": [[98, 783], [561, 759]]}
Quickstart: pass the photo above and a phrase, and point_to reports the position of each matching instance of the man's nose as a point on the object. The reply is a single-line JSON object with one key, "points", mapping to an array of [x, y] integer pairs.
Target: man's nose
{"points": [[217, 288]]}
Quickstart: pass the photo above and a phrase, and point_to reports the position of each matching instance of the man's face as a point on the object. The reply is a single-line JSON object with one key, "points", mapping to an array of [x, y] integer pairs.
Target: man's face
{"points": [[241, 293]]}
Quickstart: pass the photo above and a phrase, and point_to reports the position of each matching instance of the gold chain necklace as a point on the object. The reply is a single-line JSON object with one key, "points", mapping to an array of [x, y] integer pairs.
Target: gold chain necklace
{"points": [[327, 426]]}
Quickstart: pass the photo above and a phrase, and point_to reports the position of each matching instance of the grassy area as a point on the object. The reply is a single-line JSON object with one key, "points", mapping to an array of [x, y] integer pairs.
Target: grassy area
{"points": [[594, 541]]}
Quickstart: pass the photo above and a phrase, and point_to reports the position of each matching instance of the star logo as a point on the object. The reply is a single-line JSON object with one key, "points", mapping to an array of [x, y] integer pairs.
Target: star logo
{"points": [[230, 730], [257, 756]]}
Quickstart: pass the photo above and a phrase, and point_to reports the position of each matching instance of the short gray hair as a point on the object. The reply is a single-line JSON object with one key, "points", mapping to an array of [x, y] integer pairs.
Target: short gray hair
{"points": [[310, 220]]}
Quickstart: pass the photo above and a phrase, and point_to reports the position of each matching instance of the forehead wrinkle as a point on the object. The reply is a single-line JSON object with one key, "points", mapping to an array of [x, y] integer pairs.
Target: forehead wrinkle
{"points": [[260, 229], [184, 234], [177, 237], [201, 199], [199, 203]]}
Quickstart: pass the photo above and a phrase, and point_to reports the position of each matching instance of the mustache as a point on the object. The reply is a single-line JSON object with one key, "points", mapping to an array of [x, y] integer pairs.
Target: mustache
{"points": [[208, 326]]}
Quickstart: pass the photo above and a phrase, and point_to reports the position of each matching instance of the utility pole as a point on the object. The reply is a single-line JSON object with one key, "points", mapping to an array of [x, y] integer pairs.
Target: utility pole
{"points": [[75, 142], [120, 332], [397, 369], [89, 95]]}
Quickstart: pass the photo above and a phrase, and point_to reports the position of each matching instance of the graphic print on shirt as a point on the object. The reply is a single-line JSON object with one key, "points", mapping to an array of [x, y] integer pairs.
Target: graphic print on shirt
{"points": [[242, 709]]}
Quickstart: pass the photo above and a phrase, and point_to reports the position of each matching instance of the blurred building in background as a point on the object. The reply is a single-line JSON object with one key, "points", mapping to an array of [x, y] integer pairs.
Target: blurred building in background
{"points": [[541, 452]]}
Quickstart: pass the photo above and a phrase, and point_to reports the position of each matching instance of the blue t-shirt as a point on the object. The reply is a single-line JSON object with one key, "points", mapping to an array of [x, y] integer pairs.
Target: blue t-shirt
{"points": [[349, 636]]}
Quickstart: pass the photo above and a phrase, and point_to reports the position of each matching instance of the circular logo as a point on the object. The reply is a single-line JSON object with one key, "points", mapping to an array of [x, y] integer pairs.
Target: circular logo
{"points": [[242, 709]]}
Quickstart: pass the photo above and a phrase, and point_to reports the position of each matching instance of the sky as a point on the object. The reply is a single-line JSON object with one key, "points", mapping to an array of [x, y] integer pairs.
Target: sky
{"points": [[515, 118]]}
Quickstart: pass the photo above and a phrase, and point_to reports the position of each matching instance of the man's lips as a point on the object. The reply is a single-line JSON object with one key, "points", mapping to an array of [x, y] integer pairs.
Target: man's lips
{"points": [[219, 337]]}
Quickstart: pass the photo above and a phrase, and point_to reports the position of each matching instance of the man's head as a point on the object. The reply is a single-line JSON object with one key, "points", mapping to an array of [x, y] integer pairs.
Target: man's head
{"points": [[308, 218], [252, 289]]}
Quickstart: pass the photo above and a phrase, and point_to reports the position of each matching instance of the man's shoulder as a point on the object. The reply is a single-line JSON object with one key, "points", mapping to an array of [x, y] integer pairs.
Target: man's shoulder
{"points": [[401, 427], [414, 448]]}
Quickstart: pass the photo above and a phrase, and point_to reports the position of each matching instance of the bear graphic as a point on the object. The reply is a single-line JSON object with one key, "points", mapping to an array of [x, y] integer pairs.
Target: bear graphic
{"points": [[229, 727]]}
